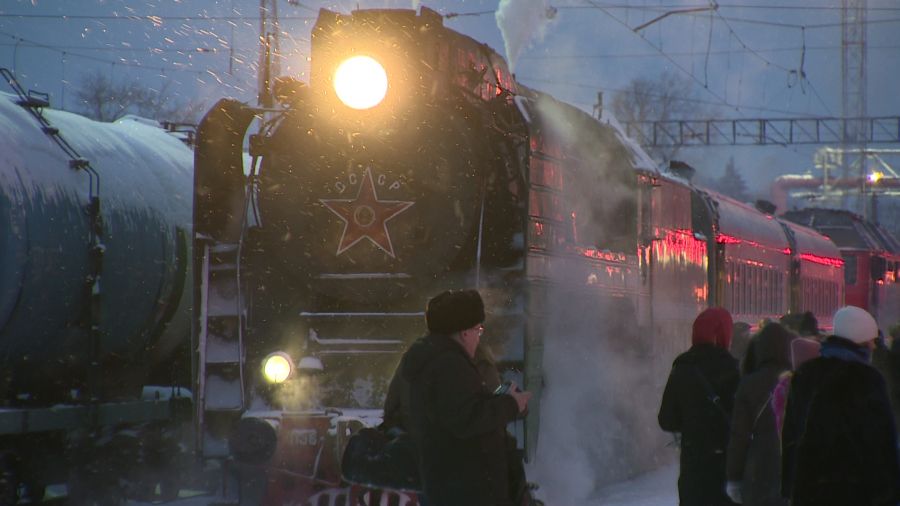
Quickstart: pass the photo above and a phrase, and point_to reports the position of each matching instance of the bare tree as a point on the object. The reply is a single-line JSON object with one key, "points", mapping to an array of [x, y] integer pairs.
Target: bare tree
{"points": [[103, 99], [667, 97]]}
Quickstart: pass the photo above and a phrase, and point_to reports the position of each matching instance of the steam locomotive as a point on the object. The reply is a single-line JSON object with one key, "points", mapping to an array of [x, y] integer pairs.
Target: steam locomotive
{"points": [[412, 163], [309, 264]]}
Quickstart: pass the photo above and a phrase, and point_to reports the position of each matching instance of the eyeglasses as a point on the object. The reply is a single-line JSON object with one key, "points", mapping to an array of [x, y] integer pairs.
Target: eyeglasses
{"points": [[480, 329]]}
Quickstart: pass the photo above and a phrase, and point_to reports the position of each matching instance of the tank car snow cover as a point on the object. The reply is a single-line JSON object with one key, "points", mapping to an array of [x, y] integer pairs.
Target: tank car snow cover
{"points": [[145, 185]]}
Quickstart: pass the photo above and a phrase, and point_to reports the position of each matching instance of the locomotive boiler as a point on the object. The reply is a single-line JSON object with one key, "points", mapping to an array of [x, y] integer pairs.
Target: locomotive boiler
{"points": [[95, 221]]}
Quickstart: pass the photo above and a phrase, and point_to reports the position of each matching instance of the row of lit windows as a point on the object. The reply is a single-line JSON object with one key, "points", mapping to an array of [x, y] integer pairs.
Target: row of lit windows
{"points": [[754, 289]]}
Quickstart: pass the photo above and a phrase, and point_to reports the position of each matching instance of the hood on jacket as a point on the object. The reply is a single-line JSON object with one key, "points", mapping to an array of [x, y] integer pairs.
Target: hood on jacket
{"points": [[773, 345], [713, 326], [803, 349]]}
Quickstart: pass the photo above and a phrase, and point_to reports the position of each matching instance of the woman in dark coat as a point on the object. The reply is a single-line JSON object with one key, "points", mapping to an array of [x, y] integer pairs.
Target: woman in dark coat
{"points": [[697, 402], [839, 445], [754, 450]]}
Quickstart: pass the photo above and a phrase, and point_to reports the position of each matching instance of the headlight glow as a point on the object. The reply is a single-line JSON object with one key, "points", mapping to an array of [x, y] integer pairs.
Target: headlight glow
{"points": [[277, 367], [360, 82]]}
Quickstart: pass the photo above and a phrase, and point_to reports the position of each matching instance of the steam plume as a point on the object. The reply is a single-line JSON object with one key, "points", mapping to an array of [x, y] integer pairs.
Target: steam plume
{"points": [[521, 22]]}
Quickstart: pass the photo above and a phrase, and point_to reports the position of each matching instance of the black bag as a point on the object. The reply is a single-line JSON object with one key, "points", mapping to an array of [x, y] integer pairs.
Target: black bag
{"points": [[373, 459]]}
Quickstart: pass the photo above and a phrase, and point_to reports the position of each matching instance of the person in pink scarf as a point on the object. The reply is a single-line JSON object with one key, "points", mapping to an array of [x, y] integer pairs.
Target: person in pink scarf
{"points": [[802, 349]]}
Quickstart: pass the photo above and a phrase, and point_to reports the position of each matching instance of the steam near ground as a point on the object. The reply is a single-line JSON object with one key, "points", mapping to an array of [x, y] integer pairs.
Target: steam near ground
{"points": [[601, 390], [598, 412]]}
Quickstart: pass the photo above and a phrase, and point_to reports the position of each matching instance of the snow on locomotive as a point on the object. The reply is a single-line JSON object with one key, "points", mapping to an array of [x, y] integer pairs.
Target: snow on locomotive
{"points": [[94, 277], [413, 163]]}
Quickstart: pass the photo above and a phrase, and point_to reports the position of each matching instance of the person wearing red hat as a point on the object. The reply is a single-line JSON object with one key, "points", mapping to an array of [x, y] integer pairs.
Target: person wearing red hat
{"points": [[839, 443], [697, 403]]}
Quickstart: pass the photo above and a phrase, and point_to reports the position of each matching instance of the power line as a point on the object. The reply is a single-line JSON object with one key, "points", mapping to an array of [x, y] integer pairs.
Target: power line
{"points": [[151, 18], [667, 57], [148, 49], [796, 26], [124, 63], [799, 72], [687, 53], [799, 7], [664, 8], [692, 100]]}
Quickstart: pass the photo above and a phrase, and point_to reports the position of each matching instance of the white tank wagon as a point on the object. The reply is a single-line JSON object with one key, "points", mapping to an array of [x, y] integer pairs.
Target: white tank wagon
{"points": [[95, 227]]}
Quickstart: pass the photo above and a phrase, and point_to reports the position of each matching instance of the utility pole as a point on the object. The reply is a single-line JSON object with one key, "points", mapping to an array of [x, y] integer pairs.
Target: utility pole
{"points": [[598, 107], [853, 74], [269, 50]]}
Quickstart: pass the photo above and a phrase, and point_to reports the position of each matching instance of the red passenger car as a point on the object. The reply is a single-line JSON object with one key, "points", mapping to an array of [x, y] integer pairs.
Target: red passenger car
{"points": [[872, 259]]}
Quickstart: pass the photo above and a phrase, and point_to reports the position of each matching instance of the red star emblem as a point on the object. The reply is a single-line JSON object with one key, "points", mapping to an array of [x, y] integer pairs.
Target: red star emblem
{"points": [[366, 217]]}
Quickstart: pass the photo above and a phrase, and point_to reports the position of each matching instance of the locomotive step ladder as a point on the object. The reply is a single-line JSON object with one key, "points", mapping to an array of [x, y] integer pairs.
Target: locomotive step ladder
{"points": [[221, 398]]}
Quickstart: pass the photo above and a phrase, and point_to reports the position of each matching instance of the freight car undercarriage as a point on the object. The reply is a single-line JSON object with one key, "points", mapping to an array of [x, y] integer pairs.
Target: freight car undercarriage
{"points": [[102, 452]]}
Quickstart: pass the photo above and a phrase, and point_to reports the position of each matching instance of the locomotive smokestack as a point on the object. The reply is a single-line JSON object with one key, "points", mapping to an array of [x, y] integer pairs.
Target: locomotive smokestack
{"points": [[682, 169]]}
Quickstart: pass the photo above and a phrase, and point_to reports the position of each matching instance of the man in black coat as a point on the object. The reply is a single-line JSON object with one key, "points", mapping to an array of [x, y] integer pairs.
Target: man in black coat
{"points": [[839, 445], [697, 402], [459, 425]]}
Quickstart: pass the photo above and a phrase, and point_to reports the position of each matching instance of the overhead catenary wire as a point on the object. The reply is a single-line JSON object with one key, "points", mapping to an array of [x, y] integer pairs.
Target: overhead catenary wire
{"points": [[671, 60], [123, 62], [801, 74], [786, 49], [695, 10], [680, 99], [686, 11], [156, 19], [593, 4]]}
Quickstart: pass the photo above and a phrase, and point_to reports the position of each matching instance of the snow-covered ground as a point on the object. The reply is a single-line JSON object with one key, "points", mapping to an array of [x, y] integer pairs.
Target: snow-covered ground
{"points": [[656, 488]]}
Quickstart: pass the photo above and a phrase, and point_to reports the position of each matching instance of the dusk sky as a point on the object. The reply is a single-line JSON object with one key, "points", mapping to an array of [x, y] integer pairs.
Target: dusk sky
{"points": [[745, 59]]}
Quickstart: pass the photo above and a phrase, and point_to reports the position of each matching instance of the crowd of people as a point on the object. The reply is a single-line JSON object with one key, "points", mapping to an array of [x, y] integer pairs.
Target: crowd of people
{"points": [[796, 418], [785, 416]]}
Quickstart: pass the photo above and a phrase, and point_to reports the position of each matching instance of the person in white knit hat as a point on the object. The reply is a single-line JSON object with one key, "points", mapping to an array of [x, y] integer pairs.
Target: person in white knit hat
{"points": [[839, 443]]}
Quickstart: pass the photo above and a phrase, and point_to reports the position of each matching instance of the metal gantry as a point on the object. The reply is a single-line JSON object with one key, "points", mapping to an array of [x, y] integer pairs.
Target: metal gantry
{"points": [[762, 131]]}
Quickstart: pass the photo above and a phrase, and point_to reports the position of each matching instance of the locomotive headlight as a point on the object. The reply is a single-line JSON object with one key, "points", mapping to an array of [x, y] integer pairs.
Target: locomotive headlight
{"points": [[277, 367], [360, 82]]}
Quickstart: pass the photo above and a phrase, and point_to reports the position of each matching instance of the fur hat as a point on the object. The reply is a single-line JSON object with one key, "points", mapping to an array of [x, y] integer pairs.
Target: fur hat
{"points": [[454, 311], [855, 324]]}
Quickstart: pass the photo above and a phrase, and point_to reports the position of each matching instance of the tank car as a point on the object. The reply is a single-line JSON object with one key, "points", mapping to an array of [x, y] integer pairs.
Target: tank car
{"points": [[872, 257], [94, 278], [313, 265]]}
